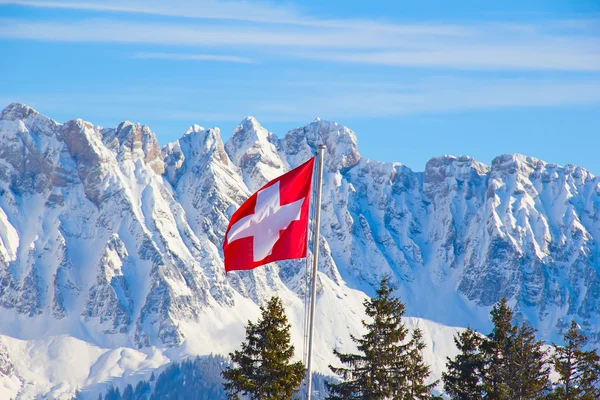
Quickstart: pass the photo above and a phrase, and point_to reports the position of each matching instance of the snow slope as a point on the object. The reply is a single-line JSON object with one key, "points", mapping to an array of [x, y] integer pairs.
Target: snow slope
{"points": [[112, 245], [53, 366]]}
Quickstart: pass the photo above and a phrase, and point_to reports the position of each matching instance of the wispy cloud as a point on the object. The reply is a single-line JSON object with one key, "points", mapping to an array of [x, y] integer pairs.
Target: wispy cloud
{"points": [[192, 57], [270, 100], [446, 94], [211, 31], [495, 47], [166, 33], [273, 12], [474, 57], [204, 9]]}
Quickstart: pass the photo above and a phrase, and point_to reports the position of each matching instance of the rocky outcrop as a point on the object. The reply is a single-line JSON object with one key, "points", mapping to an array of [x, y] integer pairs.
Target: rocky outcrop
{"points": [[6, 366]]}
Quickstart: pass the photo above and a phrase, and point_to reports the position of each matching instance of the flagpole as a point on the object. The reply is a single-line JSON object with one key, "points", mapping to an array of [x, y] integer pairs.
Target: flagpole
{"points": [[313, 301]]}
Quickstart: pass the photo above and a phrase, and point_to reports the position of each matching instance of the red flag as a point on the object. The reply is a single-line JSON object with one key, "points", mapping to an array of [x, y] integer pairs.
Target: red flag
{"points": [[272, 224]]}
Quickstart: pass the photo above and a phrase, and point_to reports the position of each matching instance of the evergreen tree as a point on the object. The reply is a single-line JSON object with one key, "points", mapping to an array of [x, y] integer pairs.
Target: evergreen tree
{"points": [[579, 370], [263, 367], [142, 390], [527, 366], [417, 372], [388, 365], [127, 393], [112, 394], [496, 350], [590, 375], [515, 363], [462, 381]]}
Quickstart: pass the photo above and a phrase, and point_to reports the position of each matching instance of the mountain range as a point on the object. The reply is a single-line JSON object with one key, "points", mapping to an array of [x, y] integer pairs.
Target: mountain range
{"points": [[111, 262]]}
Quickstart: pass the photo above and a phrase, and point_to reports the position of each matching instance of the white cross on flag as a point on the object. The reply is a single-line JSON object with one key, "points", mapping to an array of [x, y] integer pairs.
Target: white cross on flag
{"points": [[272, 224]]}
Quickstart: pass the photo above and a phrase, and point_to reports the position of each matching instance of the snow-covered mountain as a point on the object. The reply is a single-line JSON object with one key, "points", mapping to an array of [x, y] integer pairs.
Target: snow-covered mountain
{"points": [[111, 245]]}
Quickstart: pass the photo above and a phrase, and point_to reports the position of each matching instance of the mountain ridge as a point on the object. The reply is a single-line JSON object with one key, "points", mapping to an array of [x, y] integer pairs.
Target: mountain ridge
{"points": [[24, 111], [116, 241]]}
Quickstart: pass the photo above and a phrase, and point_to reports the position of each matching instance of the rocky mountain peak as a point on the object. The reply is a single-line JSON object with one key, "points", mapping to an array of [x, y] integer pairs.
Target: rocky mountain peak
{"points": [[251, 124], [198, 146], [254, 150], [16, 111], [462, 168], [94, 162], [250, 136], [516, 164], [342, 146], [195, 128], [27, 121], [454, 162], [135, 142], [529, 167], [31, 146], [202, 142]]}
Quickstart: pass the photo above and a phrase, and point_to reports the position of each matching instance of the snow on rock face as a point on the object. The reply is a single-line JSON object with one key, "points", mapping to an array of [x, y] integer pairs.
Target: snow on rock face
{"points": [[31, 148], [95, 166], [6, 366], [110, 245], [109, 299], [108, 239], [207, 183], [10, 384], [135, 142], [254, 150], [342, 149]]}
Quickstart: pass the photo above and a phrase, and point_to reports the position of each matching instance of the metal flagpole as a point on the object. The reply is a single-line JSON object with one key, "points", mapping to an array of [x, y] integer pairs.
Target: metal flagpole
{"points": [[313, 301]]}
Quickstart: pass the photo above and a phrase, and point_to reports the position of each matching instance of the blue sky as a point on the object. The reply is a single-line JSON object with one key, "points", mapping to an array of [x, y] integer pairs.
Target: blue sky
{"points": [[413, 79]]}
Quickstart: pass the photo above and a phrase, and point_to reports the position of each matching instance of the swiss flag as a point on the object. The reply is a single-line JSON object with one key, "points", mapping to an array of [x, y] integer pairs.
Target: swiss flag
{"points": [[272, 224]]}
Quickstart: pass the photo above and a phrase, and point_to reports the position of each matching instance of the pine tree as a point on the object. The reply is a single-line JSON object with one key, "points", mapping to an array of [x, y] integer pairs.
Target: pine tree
{"points": [[579, 370], [496, 350], [142, 390], [590, 376], [127, 393], [113, 394], [388, 366], [263, 367], [462, 381], [417, 372], [515, 363], [527, 366]]}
